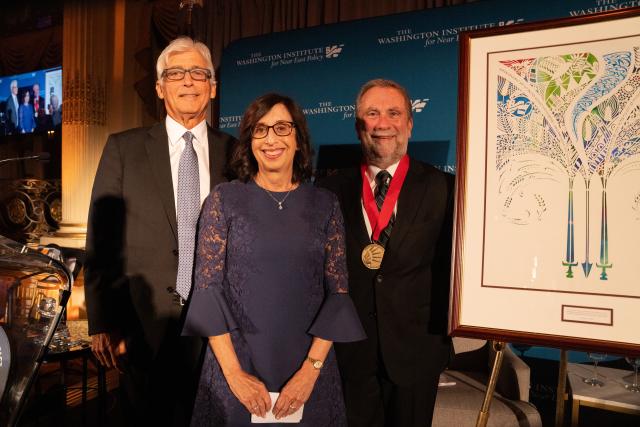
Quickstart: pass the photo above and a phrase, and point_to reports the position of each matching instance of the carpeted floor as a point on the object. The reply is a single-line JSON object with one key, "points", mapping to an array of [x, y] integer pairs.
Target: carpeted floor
{"points": [[53, 405]]}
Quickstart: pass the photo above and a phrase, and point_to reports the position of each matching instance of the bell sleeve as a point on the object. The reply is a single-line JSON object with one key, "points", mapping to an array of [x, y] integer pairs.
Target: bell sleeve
{"points": [[208, 313], [337, 319]]}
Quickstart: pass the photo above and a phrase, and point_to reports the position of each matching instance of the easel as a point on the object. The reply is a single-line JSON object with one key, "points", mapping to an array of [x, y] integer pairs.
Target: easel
{"points": [[562, 384], [498, 347], [483, 415]]}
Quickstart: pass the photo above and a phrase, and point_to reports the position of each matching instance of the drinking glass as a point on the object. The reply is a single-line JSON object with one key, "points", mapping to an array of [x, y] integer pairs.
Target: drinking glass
{"points": [[635, 363], [594, 381]]}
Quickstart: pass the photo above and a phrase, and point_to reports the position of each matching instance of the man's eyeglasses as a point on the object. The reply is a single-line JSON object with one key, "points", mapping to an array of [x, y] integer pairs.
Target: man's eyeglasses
{"points": [[176, 74], [280, 128]]}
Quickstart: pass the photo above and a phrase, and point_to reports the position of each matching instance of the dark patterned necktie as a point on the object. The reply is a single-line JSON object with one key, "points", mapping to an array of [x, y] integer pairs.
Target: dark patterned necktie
{"points": [[383, 179], [188, 211]]}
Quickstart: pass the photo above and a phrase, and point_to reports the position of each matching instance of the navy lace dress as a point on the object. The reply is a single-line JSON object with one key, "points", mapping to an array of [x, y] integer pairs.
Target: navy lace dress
{"points": [[274, 279]]}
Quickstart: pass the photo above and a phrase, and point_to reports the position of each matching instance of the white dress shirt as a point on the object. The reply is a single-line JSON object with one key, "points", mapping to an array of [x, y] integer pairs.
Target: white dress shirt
{"points": [[371, 173], [200, 143]]}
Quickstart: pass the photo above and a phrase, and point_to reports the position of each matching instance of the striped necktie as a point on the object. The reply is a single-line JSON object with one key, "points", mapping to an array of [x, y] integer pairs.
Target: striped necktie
{"points": [[188, 212], [383, 179]]}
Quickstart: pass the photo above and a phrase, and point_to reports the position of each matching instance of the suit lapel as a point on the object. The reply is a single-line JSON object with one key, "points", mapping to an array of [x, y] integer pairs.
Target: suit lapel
{"points": [[158, 151], [353, 211], [217, 158], [408, 205]]}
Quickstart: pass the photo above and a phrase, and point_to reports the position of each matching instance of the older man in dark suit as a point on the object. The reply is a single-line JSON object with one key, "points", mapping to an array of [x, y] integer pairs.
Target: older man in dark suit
{"points": [[145, 204], [11, 109], [38, 108], [398, 220]]}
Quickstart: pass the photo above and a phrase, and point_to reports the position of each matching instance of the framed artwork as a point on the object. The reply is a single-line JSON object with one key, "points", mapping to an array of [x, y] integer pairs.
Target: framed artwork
{"points": [[547, 227]]}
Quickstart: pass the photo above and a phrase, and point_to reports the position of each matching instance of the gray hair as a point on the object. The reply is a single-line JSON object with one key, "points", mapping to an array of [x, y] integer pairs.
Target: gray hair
{"points": [[184, 44], [14, 83], [386, 84]]}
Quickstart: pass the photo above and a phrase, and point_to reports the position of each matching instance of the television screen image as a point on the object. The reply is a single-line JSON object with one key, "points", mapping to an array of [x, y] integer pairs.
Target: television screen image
{"points": [[31, 102]]}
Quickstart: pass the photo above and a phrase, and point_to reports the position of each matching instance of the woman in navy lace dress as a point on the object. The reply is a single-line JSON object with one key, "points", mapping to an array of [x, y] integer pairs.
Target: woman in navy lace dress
{"points": [[26, 119], [271, 281]]}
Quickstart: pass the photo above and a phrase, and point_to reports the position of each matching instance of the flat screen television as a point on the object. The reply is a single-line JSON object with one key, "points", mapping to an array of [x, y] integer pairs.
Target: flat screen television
{"points": [[31, 102], [33, 127]]}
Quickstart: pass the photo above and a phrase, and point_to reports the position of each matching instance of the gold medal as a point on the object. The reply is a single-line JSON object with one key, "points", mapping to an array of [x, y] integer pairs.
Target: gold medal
{"points": [[372, 256]]}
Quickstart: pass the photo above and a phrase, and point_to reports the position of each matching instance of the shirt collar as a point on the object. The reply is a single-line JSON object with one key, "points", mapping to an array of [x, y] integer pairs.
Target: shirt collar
{"points": [[175, 131], [372, 171]]}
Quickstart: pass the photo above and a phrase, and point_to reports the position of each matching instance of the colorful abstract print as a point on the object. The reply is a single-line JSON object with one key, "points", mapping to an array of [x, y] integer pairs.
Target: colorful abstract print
{"points": [[576, 116]]}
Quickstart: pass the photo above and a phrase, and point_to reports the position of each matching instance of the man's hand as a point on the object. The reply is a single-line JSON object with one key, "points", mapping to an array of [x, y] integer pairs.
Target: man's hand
{"points": [[297, 391], [108, 348]]}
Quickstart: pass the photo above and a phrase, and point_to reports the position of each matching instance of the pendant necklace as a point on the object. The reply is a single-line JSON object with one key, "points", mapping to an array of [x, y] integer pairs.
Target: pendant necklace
{"points": [[279, 202]]}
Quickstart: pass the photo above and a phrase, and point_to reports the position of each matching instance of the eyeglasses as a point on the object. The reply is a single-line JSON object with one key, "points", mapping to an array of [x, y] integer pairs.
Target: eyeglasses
{"points": [[177, 74], [279, 128]]}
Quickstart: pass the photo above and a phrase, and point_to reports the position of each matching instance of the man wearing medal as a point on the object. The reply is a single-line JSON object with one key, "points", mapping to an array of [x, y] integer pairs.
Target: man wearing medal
{"points": [[398, 216]]}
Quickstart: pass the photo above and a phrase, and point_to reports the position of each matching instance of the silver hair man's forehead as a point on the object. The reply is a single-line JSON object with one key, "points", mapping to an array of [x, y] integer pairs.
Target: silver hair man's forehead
{"points": [[184, 44], [14, 83], [384, 83]]}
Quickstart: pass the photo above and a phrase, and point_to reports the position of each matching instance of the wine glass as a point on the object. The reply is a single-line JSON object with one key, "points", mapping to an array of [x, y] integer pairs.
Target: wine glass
{"points": [[635, 363], [594, 381]]}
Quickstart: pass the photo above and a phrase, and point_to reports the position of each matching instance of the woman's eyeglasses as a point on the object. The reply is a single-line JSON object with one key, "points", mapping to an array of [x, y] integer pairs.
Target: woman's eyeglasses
{"points": [[279, 128]]}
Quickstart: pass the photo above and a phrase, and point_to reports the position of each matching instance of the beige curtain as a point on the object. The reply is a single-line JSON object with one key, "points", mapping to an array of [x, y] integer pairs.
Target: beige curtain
{"points": [[229, 20], [219, 22], [216, 22]]}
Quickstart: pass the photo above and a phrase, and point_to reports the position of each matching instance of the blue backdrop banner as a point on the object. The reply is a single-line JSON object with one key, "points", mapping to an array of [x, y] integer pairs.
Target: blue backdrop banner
{"points": [[323, 67]]}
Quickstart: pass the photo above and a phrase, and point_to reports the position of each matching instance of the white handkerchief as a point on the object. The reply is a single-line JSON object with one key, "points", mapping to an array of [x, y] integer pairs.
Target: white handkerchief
{"points": [[270, 418]]}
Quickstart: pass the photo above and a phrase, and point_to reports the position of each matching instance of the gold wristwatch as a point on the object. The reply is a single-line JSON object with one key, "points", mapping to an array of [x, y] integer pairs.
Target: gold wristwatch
{"points": [[317, 364]]}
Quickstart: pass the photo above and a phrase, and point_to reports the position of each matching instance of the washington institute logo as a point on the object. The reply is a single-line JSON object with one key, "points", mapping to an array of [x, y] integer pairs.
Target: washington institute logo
{"points": [[435, 36], [292, 57], [417, 105], [333, 51]]}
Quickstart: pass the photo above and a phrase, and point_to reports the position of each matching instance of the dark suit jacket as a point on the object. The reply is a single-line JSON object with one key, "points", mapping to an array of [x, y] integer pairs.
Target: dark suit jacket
{"points": [[132, 243], [12, 114], [403, 306], [41, 119], [41, 106]]}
